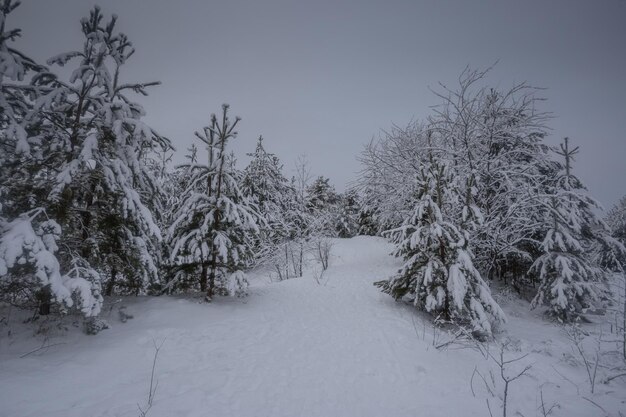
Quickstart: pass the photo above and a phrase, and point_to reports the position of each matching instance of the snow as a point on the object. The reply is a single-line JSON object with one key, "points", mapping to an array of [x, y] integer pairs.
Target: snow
{"points": [[293, 348], [19, 244]]}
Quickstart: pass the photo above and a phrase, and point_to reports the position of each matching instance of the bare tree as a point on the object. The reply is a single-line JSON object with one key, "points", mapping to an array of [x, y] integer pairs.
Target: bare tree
{"points": [[323, 248], [546, 410], [506, 375], [591, 361], [303, 221]]}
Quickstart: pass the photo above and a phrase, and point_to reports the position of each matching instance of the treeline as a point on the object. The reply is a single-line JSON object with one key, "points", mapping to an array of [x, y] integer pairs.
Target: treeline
{"points": [[91, 206], [227, 220], [473, 193]]}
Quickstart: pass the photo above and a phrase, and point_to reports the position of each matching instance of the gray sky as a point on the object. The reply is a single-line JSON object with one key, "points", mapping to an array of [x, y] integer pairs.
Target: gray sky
{"points": [[322, 77]]}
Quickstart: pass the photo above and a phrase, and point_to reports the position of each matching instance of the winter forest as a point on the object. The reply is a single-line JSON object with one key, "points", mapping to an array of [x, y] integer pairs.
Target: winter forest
{"points": [[465, 270]]}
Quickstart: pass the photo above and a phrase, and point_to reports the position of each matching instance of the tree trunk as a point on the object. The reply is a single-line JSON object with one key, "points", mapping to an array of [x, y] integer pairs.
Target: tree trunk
{"points": [[45, 300], [446, 308], [111, 283], [203, 277], [287, 262], [624, 320], [86, 249], [210, 289], [86, 223], [212, 273], [301, 258]]}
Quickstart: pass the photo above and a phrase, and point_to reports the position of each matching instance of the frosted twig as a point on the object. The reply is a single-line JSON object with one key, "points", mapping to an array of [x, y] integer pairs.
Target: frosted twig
{"points": [[567, 379], [544, 412], [596, 404], [477, 372], [44, 346], [609, 379], [153, 385], [488, 407]]}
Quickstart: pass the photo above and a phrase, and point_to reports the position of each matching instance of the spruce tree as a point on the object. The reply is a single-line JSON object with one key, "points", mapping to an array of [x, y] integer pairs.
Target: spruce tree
{"points": [[439, 275], [322, 204], [366, 222], [31, 265], [264, 183], [321, 195], [347, 216], [612, 257], [616, 220], [215, 223], [104, 192], [568, 278]]}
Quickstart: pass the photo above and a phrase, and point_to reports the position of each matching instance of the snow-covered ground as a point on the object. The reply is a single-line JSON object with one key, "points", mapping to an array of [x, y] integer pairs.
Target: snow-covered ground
{"points": [[296, 348]]}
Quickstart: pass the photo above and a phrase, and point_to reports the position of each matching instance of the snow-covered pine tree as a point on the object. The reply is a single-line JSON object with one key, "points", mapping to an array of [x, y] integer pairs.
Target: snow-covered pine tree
{"points": [[322, 204], [177, 275], [321, 194], [366, 222], [569, 280], [347, 216], [104, 193], [439, 275], [610, 251], [215, 223], [29, 263], [616, 220], [612, 257], [162, 206], [17, 120], [21, 150], [264, 183]]}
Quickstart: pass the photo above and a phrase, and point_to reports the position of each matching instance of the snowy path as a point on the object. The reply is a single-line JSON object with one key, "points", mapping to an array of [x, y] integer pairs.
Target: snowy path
{"points": [[294, 348]]}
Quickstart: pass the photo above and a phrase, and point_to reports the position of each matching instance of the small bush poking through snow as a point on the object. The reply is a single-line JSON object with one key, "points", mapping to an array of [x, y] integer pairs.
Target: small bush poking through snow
{"points": [[238, 284], [94, 325]]}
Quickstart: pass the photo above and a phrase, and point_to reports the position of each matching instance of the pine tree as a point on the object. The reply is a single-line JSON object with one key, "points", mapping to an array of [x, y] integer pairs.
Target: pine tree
{"points": [[29, 239], [610, 248], [322, 204], [366, 222], [568, 278], [177, 276], [612, 257], [439, 275], [21, 150], [215, 224], [103, 190], [616, 220], [161, 205], [264, 183], [321, 195], [347, 217]]}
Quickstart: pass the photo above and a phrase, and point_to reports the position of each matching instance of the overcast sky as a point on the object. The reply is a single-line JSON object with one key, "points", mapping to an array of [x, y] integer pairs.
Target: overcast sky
{"points": [[322, 77]]}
